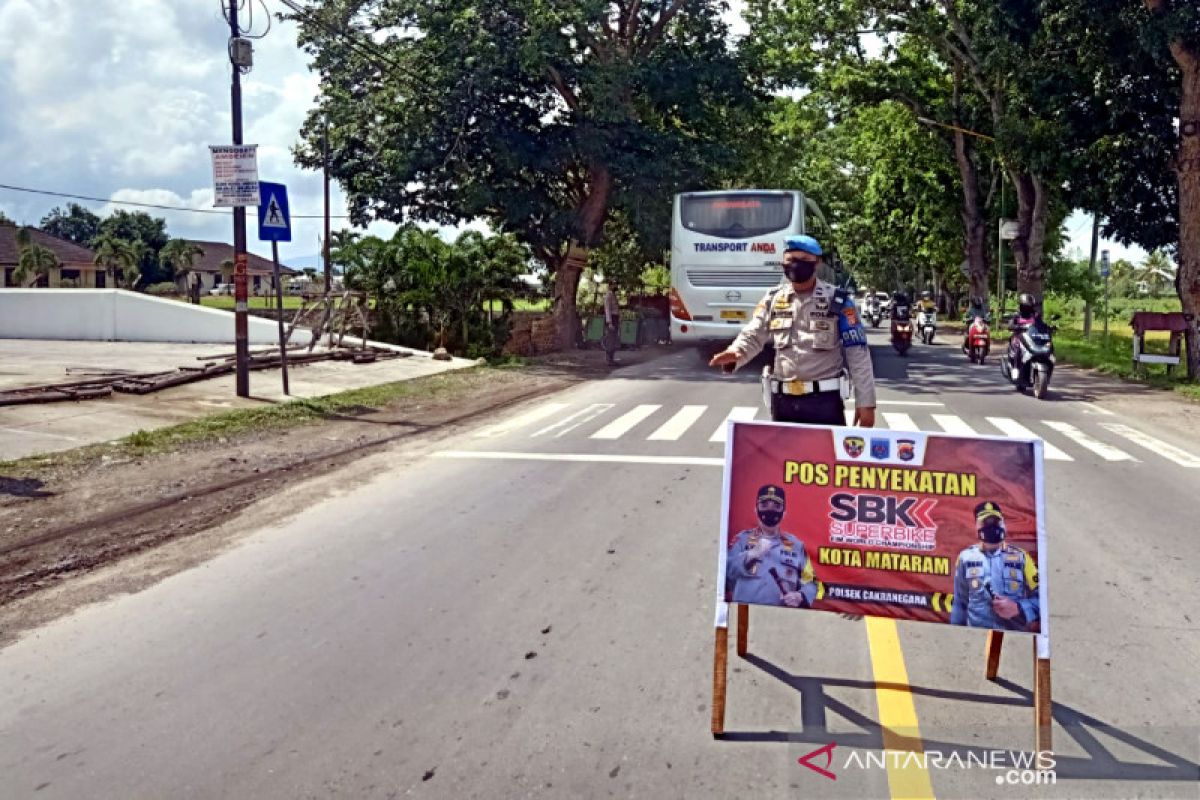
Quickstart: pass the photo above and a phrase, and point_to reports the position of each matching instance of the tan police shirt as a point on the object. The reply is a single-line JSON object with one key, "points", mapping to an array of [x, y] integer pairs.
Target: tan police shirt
{"points": [[808, 346]]}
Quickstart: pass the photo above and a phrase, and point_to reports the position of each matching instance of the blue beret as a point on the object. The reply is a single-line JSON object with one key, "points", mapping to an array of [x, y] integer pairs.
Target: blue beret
{"points": [[805, 243]]}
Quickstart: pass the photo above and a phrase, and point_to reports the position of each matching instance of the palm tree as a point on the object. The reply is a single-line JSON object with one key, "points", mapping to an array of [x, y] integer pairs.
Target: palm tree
{"points": [[113, 253], [34, 260], [1156, 272], [180, 256]]}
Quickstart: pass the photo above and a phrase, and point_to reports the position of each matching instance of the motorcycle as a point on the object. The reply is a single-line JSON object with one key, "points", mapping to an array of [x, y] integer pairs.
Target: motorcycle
{"points": [[875, 314], [979, 341], [1029, 360], [927, 326], [902, 329]]}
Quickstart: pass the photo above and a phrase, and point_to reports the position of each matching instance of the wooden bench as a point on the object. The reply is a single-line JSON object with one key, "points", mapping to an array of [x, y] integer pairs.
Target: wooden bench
{"points": [[1144, 321]]}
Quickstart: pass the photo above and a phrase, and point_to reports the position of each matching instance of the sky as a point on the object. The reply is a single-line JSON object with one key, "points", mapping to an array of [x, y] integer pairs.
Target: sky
{"points": [[121, 99]]}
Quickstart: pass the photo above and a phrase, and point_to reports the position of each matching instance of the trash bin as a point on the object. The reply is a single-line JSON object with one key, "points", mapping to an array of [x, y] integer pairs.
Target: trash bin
{"points": [[594, 330], [629, 333]]}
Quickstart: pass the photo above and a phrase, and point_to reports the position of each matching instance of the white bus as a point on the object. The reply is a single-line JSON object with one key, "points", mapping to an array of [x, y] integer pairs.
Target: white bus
{"points": [[727, 251]]}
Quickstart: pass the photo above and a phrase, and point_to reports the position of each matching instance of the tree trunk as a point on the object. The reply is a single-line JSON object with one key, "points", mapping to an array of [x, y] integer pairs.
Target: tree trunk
{"points": [[1029, 246], [1188, 276], [591, 216], [1087, 301], [975, 227]]}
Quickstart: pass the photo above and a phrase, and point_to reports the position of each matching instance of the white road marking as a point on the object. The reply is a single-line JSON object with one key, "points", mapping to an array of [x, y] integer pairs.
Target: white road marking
{"points": [[952, 424], [573, 421], [1169, 451], [40, 434], [677, 425], [1010, 427], [625, 423], [740, 413], [899, 422], [599, 458], [902, 403], [1105, 451], [1095, 409], [521, 420]]}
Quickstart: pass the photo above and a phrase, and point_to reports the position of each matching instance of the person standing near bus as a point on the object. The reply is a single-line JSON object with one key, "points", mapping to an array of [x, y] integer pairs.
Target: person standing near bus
{"points": [[817, 335]]}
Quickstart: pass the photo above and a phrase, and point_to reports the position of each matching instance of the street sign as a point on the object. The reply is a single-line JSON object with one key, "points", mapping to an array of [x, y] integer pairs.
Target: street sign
{"points": [[1105, 268], [274, 218], [1008, 229], [235, 175]]}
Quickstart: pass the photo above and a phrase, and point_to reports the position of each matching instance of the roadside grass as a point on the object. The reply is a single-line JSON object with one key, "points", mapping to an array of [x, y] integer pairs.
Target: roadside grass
{"points": [[225, 302], [229, 424]]}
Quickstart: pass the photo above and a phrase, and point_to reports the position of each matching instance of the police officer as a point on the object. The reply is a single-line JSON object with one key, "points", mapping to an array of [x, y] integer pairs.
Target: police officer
{"points": [[995, 583], [766, 565], [815, 329]]}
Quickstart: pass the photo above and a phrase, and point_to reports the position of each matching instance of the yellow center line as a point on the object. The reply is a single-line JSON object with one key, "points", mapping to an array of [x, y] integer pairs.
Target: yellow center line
{"points": [[907, 779]]}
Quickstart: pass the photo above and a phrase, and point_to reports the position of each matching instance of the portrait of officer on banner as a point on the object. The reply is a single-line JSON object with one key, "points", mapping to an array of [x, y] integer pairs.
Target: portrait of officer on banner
{"points": [[995, 583], [767, 566]]}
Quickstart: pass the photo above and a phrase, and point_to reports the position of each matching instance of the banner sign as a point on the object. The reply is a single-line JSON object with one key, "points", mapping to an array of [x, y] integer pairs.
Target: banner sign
{"points": [[916, 526], [235, 175]]}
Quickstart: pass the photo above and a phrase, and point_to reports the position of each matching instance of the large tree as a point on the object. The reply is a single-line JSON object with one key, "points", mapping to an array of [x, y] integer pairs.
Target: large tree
{"points": [[1177, 24], [138, 226], [536, 116], [73, 223]]}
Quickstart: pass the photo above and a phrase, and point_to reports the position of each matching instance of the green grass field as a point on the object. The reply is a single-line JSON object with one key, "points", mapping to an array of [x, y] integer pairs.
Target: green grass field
{"points": [[1114, 355], [225, 302]]}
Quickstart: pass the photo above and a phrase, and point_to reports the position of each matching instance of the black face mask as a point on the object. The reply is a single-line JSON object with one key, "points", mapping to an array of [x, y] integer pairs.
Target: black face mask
{"points": [[992, 533], [769, 518], [799, 271]]}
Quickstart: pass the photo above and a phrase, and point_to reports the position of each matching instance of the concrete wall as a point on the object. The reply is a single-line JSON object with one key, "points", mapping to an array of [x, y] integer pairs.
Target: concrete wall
{"points": [[117, 315]]}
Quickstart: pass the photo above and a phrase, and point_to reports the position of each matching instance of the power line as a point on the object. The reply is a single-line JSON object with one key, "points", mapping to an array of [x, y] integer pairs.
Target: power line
{"points": [[70, 196]]}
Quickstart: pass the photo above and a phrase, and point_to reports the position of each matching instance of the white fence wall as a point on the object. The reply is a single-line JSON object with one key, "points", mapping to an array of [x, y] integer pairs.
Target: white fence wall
{"points": [[118, 315]]}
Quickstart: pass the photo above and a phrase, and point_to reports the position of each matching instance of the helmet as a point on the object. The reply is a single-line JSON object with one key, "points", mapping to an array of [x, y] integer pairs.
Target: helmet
{"points": [[1026, 304], [805, 244], [925, 295], [977, 302]]}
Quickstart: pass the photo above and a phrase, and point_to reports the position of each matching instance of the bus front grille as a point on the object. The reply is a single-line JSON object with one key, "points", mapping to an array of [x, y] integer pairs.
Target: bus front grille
{"points": [[734, 278]]}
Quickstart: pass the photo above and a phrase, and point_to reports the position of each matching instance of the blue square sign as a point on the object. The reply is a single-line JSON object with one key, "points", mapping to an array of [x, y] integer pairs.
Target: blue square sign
{"points": [[274, 219]]}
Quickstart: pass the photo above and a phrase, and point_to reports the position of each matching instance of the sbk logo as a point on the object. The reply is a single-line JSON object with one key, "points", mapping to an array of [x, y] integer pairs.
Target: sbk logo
{"points": [[908, 512], [827, 751]]}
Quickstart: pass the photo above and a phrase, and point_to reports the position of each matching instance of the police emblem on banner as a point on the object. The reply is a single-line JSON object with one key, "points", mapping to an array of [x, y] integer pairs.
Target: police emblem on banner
{"points": [[906, 449], [881, 448], [854, 446]]}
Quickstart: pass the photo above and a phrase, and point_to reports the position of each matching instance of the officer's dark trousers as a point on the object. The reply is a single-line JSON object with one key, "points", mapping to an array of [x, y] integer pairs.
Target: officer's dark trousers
{"points": [[819, 408]]}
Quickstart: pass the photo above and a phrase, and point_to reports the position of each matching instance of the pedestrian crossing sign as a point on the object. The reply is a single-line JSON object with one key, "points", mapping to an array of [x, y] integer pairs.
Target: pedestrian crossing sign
{"points": [[274, 219]]}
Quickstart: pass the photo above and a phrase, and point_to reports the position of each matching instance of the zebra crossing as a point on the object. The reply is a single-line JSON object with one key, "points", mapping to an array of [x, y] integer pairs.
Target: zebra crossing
{"points": [[664, 424]]}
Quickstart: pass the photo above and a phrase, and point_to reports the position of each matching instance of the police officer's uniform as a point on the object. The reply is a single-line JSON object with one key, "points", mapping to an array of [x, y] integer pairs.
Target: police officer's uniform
{"points": [[764, 578], [814, 334], [1007, 571]]}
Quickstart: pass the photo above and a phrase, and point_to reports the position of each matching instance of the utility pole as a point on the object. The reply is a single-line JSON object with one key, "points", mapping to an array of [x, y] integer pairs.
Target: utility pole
{"points": [[241, 322], [1087, 302], [325, 174]]}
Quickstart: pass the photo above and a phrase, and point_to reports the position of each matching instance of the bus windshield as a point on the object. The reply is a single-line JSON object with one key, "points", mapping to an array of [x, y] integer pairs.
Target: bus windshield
{"points": [[736, 216]]}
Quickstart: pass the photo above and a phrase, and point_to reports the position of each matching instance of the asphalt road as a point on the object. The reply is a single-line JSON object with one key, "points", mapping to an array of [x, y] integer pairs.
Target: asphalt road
{"points": [[527, 611]]}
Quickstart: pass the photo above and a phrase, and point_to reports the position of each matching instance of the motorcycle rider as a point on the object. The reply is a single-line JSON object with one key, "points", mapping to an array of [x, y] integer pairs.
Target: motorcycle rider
{"points": [[926, 302], [975, 309], [1027, 312]]}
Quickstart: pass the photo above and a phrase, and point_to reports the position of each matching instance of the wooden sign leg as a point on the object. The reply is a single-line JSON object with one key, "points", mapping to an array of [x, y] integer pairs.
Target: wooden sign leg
{"points": [[1042, 706], [743, 628], [992, 653], [720, 659]]}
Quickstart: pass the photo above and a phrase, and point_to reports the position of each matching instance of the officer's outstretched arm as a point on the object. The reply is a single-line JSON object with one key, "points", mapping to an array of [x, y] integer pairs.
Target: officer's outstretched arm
{"points": [[958, 609], [753, 337]]}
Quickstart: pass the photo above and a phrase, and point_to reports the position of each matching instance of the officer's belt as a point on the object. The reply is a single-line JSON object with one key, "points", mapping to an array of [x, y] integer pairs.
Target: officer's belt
{"points": [[805, 387]]}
